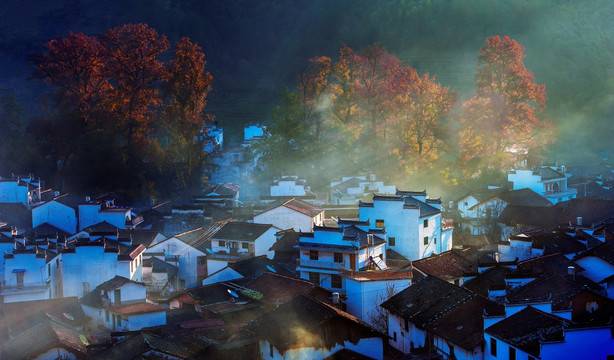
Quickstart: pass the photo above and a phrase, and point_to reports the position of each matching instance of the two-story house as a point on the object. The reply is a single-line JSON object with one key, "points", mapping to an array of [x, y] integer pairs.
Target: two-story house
{"points": [[549, 182], [119, 304], [94, 211], [350, 189], [327, 252], [292, 214], [26, 275], [413, 223]]}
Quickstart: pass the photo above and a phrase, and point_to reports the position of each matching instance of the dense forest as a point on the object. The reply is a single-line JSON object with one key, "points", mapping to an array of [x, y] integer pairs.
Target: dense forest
{"points": [[255, 50]]}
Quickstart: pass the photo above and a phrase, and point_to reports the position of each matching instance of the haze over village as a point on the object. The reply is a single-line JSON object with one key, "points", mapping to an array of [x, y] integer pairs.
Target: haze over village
{"points": [[421, 179]]}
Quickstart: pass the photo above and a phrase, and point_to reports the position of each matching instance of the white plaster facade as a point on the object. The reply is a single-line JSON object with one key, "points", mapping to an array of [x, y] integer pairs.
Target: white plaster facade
{"points": [[285, 218], [552, 186], [186, 258], [25, 278], [364, 295], [57, 214]]}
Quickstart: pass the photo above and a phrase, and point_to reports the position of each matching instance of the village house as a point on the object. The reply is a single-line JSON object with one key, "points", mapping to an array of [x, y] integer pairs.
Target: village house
{"points": [[413, 223], [292, 214], [598, 265], [159, 276], [119, 304], [249, 268], [534, 334], [350, 189], [366, 290], [223, 195], [324, 331], [482, 217], [547, 181], [186, 251], [451, 266], [59, 211], [326, 252], [84, 264], [23, 190], [411, 310], [26, 275], [94, 211], [243, 239]]}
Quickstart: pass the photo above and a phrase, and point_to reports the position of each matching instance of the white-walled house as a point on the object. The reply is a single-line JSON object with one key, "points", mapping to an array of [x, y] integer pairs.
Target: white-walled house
{"points": [[289, 186], [413, 309], [119, 304], [60, 212], [598, 265], [534, 334], [24, 190], [366, 290], [327, 252], [305, 328], [85, 264], [350, 189], [549, 182], [253, 132], [243, 239], [95, 211], [413, 223], [292, 214], [188, 252], [26, 275]]}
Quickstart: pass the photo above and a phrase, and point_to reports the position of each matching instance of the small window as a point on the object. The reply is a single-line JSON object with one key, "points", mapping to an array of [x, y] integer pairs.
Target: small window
{"points": [[466, 203], [221, 243], [493, 347], [314, 277], [119, 321], [131, 267], [313, 255], [391, 241], [426, 240], [425, 223], [379, 223], [434, 240], [451, 352], [106, 315], [336, 281], [395, 336], [406, 325], [49, 270], [182, 283], [457, 282], [271, 350], [57, 262], [512, 353], [338, 257], [244, 246]]}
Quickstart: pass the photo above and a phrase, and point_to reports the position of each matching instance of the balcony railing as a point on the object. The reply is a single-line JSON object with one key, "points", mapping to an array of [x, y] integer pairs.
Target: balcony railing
{"points": [[322, 264]]}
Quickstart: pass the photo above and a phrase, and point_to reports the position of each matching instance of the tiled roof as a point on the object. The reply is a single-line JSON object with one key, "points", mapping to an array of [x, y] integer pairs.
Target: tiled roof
{"points": [[493, 278], [46, 231], [547, 287], [556, 264], [349, 183], [252, 268], [408, 202], [380, 275], [94, 298], [523, 197], [464, 325], [140, 308], [549, 174], [67, 310], [160, 266], [449, 265], [298, 205], [279, 289], [556, 242], [16, 215], [144, 237], [102, 227], [592, 211], [331, 325], [241, 231], [44, 335], [604, 252], [527, 328], [286, 241], [538, 216], [426, 300], [222, 190], [476, 241]]}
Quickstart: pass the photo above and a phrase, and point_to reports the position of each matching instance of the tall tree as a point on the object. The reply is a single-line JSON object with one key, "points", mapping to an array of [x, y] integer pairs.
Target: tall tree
{"points": [[186, 87], [500, 124], [313, 85], [423, 128], [133, 66]]}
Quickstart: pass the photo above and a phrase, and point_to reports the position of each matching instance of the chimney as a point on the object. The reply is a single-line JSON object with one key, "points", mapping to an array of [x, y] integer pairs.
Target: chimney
{"points": [[571, 272], [579, 220], [370, 239], [56, 194], [336, 298], [497, 257], [87, 198]]}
